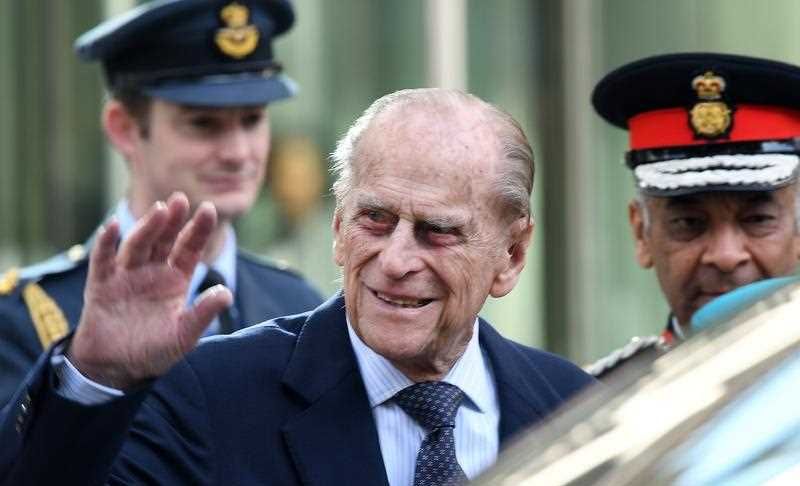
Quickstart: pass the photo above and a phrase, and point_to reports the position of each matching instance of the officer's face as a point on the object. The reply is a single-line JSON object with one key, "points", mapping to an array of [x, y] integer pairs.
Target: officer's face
{"points": [[213, 154], [420, 242], [706, 244]]}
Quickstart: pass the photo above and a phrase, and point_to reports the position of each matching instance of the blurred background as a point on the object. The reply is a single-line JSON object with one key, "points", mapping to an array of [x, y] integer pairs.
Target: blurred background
{"points": [[582, 293]]}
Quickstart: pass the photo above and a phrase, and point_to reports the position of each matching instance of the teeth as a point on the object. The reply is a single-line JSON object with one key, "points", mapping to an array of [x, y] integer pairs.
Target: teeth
{"points": [[409, 303]]}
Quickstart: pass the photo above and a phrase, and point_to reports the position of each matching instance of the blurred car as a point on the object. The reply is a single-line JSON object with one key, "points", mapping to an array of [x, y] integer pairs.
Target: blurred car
{"points": [[722, 408]]}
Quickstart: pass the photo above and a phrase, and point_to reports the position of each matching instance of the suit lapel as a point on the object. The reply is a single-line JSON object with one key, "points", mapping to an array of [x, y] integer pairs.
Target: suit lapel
{"points": [[334, 441], [519, 384]]}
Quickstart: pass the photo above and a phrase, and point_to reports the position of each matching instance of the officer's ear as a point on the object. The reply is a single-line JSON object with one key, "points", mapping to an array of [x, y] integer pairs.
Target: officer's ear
{"points": [[637, 217], [514, 260], [121, 128]]}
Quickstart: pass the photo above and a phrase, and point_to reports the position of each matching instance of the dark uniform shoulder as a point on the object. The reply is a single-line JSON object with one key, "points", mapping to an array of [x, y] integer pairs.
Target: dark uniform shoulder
{"points": [[262, 262], [638, 348], [64, 262], [266, 289], [14, 279], [46, 296], [39, 304]]}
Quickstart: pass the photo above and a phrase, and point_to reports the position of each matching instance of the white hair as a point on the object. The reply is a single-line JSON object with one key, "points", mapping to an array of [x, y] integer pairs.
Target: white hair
{"points": [[516, 181]]}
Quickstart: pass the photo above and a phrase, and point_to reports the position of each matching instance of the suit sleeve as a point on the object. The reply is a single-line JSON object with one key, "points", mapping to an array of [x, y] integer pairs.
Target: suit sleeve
{"points": [[153, 436], [19, 345], [48, 439]]}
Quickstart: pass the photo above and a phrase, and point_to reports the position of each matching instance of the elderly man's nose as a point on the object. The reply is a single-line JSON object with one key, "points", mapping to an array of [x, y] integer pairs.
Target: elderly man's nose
{"points": [[401, 255]]}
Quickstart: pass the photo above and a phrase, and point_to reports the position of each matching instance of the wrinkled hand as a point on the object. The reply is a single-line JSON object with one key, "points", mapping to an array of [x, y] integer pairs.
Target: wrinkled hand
{"points": [[135, 324]]}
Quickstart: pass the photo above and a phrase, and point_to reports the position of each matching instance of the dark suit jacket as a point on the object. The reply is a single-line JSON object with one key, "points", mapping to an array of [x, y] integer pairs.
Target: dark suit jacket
{"points": [[263, 291], [263, 406]]}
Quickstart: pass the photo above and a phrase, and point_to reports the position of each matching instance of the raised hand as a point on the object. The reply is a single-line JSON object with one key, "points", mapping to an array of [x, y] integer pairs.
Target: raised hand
{"points": [[135, 324]]}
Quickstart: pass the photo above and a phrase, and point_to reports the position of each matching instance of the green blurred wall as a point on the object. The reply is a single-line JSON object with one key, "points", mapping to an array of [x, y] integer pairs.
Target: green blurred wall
{"points": [[51, 167]]}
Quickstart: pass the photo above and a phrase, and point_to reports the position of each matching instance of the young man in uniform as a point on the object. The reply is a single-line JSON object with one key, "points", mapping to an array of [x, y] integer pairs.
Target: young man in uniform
{"points": [[189, 86]]}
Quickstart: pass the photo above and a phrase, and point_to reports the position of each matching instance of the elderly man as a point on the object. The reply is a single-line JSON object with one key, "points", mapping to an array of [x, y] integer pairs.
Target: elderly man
{"points": [[396, 381], [189, 84], [714, 152]]}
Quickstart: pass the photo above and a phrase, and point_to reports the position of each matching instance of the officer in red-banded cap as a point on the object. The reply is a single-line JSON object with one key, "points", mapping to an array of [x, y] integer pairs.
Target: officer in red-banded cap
{"points": [[714, 144]]}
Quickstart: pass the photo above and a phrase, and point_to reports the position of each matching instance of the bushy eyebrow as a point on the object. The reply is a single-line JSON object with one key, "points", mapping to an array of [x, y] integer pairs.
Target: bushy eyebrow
{"points": [[445, 222], [369, 201]]}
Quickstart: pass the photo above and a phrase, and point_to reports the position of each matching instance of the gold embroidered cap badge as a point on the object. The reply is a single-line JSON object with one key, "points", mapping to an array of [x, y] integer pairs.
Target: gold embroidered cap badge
{"points": [[237, 39], [710, 117]]}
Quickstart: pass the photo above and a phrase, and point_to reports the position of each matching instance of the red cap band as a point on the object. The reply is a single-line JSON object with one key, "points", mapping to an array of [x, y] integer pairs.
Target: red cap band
{"points": [[670, 127]]}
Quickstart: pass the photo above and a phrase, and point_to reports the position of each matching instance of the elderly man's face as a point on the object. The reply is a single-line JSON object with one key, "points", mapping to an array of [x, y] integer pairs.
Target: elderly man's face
{"points": [[420, 238], [703, 245]]}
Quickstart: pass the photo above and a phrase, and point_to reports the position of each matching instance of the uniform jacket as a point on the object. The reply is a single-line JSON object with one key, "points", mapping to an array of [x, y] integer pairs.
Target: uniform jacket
{"points": [[263, 291], [262, 406], [642, 350]]}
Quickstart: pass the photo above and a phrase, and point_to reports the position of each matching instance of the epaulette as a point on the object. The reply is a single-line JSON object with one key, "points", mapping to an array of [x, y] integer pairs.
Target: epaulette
{"points": [[637, 345], [46, 316], [60, 263], [274, 264], [48, 319]]}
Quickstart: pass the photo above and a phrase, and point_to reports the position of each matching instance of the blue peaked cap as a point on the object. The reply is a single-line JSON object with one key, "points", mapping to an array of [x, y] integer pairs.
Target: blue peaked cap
{"points": [[194, 52]]}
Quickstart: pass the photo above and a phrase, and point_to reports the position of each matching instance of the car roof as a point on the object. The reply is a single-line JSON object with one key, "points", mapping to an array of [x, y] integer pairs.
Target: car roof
{"points": [[638, 428]]}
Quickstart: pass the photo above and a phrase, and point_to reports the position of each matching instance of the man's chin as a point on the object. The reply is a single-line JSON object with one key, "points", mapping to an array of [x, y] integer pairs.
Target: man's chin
{"points": [[230, 209]]}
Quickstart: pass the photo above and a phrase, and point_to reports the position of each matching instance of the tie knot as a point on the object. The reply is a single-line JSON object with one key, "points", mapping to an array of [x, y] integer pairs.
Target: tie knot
{"points": [[211, 279], [433, 404]]}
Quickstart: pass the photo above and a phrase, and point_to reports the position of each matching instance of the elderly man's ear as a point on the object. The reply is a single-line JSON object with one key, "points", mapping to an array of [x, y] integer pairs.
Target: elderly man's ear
{"points": [[507, 278], [636, 218], [336, 225]]}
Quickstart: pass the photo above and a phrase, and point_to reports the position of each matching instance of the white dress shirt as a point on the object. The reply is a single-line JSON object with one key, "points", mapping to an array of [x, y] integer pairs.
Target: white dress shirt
{"points": [[400, 436]]}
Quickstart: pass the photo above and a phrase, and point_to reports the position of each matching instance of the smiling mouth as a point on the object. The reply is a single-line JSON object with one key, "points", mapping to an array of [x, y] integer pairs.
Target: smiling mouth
{"points": [[405, 303]]}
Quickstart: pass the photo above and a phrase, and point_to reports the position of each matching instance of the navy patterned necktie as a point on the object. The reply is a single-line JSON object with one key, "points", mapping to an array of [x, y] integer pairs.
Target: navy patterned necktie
{"points": [[433, 404], [213, 278]]}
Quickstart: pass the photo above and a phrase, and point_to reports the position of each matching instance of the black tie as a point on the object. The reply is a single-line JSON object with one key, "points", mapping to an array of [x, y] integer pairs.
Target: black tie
{"points": [[213, 278], [433, 404]]}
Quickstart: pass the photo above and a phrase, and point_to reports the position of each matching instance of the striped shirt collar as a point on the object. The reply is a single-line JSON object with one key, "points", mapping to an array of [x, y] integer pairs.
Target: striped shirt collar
{"points": [[383, 380]]}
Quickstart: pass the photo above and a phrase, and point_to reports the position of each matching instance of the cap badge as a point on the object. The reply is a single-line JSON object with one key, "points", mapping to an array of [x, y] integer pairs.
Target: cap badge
{"points": [[710, 117], [237, 39]]}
